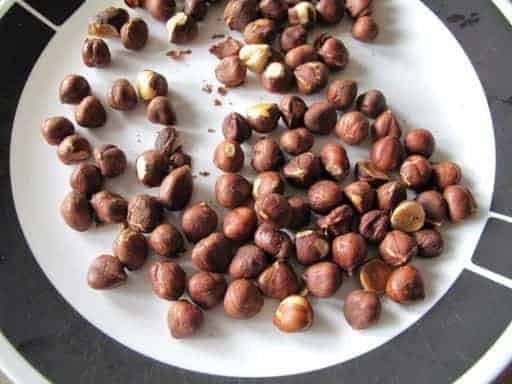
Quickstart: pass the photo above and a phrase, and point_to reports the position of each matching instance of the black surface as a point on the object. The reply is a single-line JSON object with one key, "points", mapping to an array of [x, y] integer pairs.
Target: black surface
{"points": [[56, 10]]}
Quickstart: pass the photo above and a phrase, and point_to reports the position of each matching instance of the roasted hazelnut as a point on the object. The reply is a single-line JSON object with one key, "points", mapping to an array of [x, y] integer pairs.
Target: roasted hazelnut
{"points": [[179, 159], [303, 13], [135, 3], [277, 78], [273, 208], [386, 124], [460, 201], [260, 31], [349, 251], [86, 178], [76, 211], [278, 281], [73, 149], [236, 127], [266, 155], [248, 263], [330, 11], [243, 299], [273, 241], [55, 129], [226, 48], [390, 194], [408, 216], [109, 208], [73, 89], [206, 289], [430, 243], [95, 53], [293, 36], [361, 195], [213, 253], [341, 93], [353, 128], [134, 34], [255, 56], [276, 10], [294, 314], [232, 190], [405, 284], [110, 159], [335, 161], [397, 248], [176, 188], [131, 248], [292, 110], [419, 142], [228, 156], [239, 13], [332, 51], [311, 77], [372, 103], [166, 241], [323, 279], [361, 309], [181, 28], [296, 141], [122, 96], [161, 111], [299, 55], [324, 196], [365, 29], [374, 225], [387, 154], [168, 280], [337, 222], [357, 8], [90, 113], [199, 221], [434, 205], [415, 171], [374, 275], [446, 173], [231, 71], [161, 10], [311, 247], [320, 118], [151, 84], [263, 117], [240, 224], [303, 170], [301, 213], [105, 272], [152, 166], [112, 16], [144, 213], [195, 9], [184, 319], [365, 171]]}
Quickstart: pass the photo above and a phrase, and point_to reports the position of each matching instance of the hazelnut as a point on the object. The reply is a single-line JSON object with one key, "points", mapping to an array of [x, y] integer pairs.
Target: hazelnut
{"points": [[109, 208], [361, 309], [460, 201], [273, 241], [144, 213], [349, 251], [446, 173], [105, 272], [292, 110], [324, 196], [353, 128], [374, 275], [296, 141], [228, 156], [90, 113], [176, 188], [73, 149], [248, 263], [184, 319], [179, 159], [419, 142], [255, 56], [152, 166], [386, 124], [405, 284], [434, 205], [73, 89], [86, 178], [166, 241], [135, 3], [372, 103], [303, 13], [239, 13], [263, 117], [213, 253], [332, 51], [276, 10], [335, 161], [168, 280], [122, 96], [374, 225], [301, 213], [323, 279], [299, 55], [341, 93], [95, 53], [397, 248], [430, 243], [303, 170], [277, 78], [151, 84], [320, 118], [311, 77], [278, 281], [273, 208], [387, 154], [131, 248], [243, 299], [55, 129], [415, 171], [357, 8], [330, 11], [365, 171], [236, 127], [195, 9], [76, 211], [293, 36], [161, 10], [181, 28], [134, 34], [266, 155], [161, 111], [240, 224], [110, 159], [199, 221], [260, 31], [226, 48], [206, 289], [361, 195], [113, 17], [311, 247], [294, 314], [231, 71], [232, 190], [408, 216], [390, 194], [365, 29], [337, 222]]}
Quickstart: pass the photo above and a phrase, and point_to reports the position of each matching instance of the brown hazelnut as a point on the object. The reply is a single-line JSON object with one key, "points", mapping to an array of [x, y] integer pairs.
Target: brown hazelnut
{"points": [[303, 170], [374, 225], [303, 13], [408, 216], [55, 129], [357, 8], [110, 159], [152, 166], [419, 142], [276, 10], [232, 190], [73, 149], [320, 118], [299, 55], [161, 111], [266, 155], [105, 272], [365, 171], [293, 36], [330, 11], [434, 205], [278, 281], [341, 93], [228, 156], [199, 221], [144, 213], [231, 71], [176, 188], [134, 34], [273, 241], [236, 127], [263, 117], [131, 248], [352, 128], [195, 9], [161, 10], [239, 13], [243, 299], [184, 319], [181, 28], [135, 3], [76, 211], [430, 243], [387, 154], [397, 248], [111, 16], [460, 201], [324, 196], [335, 161], [323, 279], [248, 263], [332, 51], [277, 78], [260, 31], [372, 103], [362, 309], [206, 289], [361, 195], [390, 194], [166, 241], [273, 208], [311, 247], [294, 314], [86, 178], [386, 124], [179, 159], [73, 89], [95, 53], [240, 224], [349, 251], [226, 48], [301, 213], [292, 110], [405, 284], [296, 141], [374, 275], [151, 84], [446, 173], [122, 96], [311, 77], [168, 280], [213, 253], [365, 29], [90, 113], [415, 171], [109, 208], [337, 222]]}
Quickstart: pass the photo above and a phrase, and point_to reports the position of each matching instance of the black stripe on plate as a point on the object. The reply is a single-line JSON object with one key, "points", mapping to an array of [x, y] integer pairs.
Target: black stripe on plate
{"points": [[57, 11]]}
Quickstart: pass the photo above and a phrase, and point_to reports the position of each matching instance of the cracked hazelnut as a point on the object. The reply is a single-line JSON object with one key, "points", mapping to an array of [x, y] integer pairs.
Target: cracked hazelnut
{"points": [[152, 166], [365, 171], [311, 247], [228, 156], [151, 84], [273, 241], [195, 9], [181, 28], [323, 279], [320, 118], [405, 284], [374, 275], [86, 178], [365, 29], [303, 170], [73, 89], [239, 13], [330, 11], [374, 225], [266, 155], [446, 173], [278, 281], [55, 129], [349, 251], [341, 93], [337, 222], [273, 208], [95, 53], [277, 78], [311, 77], [356, 8], [76, 211], [255, 56], [415, 171], [460, 201], [184, 319], [293, 36], [73, 149], [419, 142], [166, 241], [90, 113], [332, 51], [144, 213], [105, 272], [122, 96], [207, 289], [110, 159], [134, 34], [390, 194], [248, 263], [434, 205], [231, 71], [168, 280], [299, 55], [387, 154], [263, 117], [386, 124], [362, 309], [226, 48], [213, 253], [109, 208], [408, 216], [276, 10], [292, 110], [372, 103], [260, 31], [199, 221], [335, 161], [296, 141], [361, 195], [243, 299], [301, 213], [353, 128], [236, 127], [161, 111], [240, 224], [108, 23], [303, 13], [294, 314], [131, 248], [324, 196], [430, 243], [232, 190], [161, 10], [397, 248]]}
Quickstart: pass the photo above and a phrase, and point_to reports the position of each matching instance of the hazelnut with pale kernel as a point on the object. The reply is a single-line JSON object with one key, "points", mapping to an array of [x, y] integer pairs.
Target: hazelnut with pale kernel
{"points": [[151, 84], [152, 166], [255, 56], [311, 77], [294, 314], [277, 78], [263, 117], [311, 247], [228, 156], [303, 13], [181, 28], [303, 170]]}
